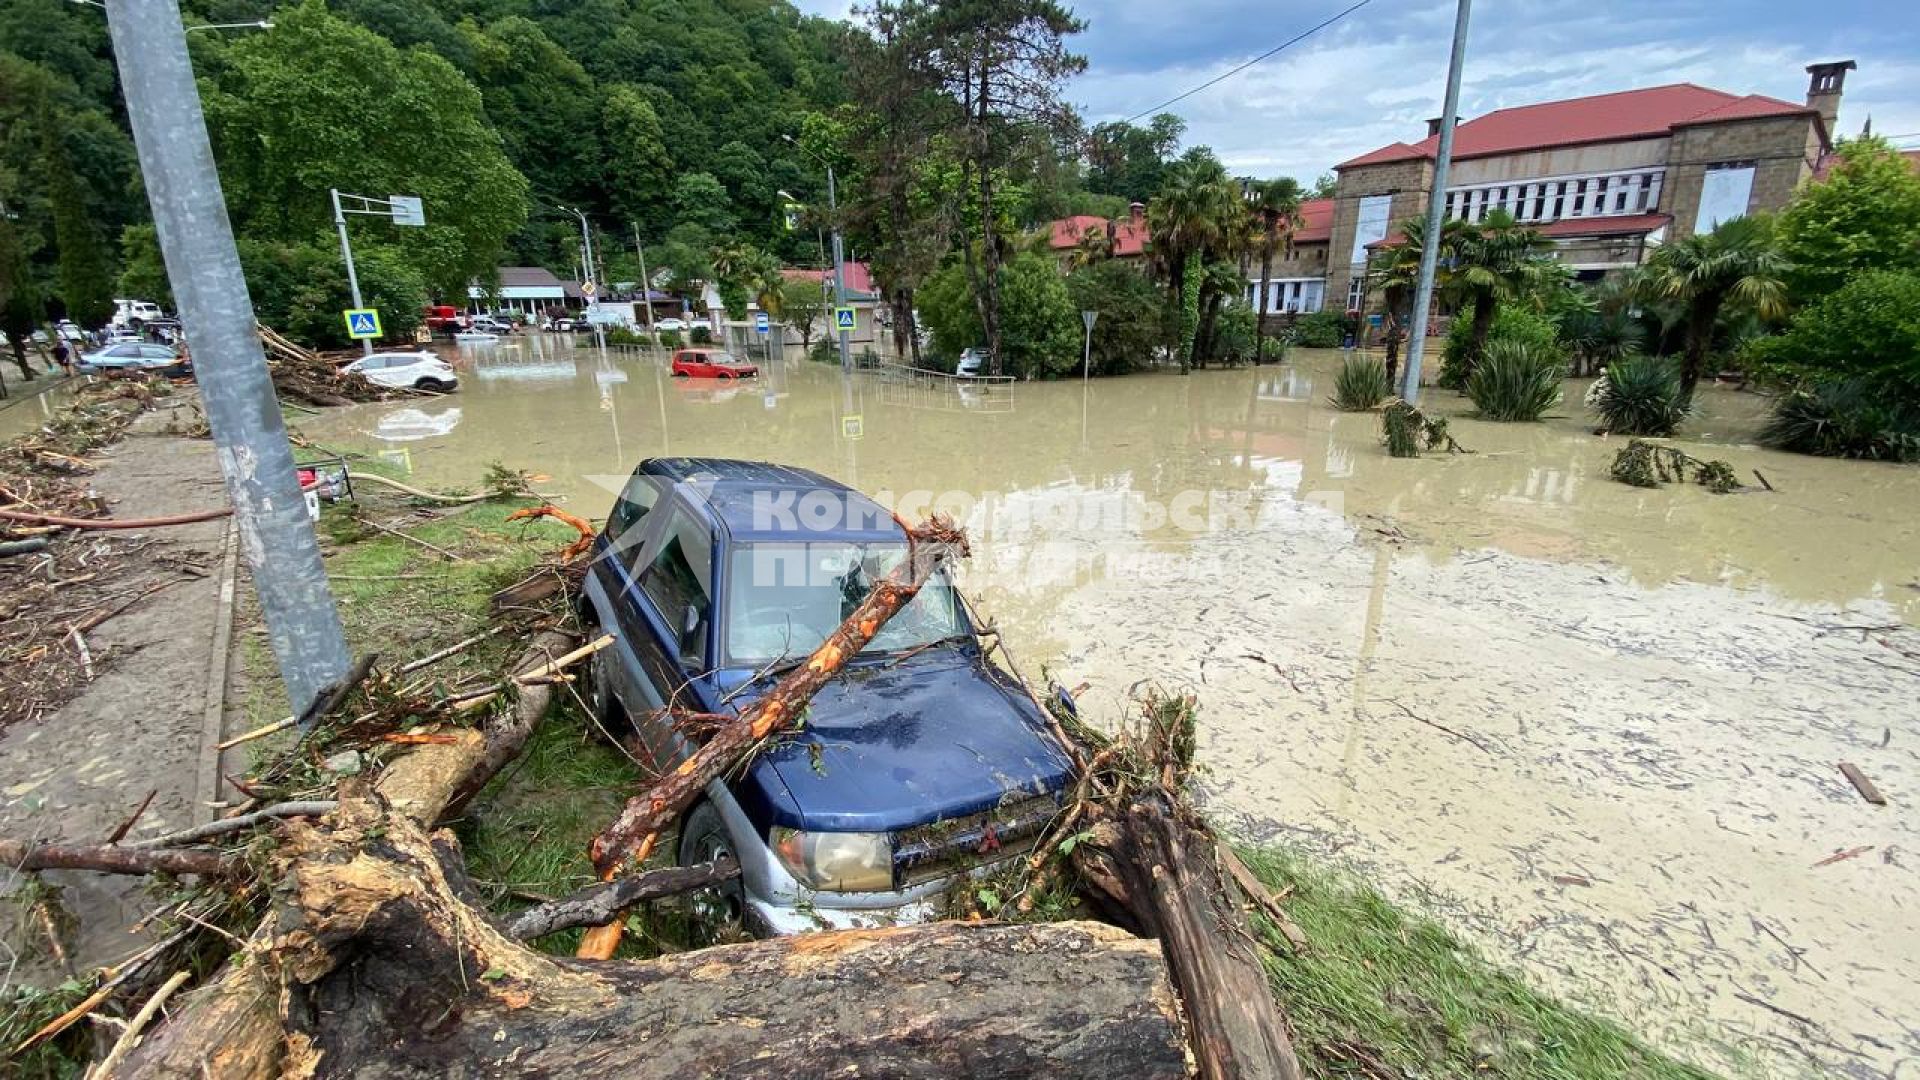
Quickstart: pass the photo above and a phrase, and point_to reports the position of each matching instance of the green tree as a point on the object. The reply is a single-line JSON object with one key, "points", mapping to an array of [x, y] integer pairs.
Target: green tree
{"points": [[1323, 186], [1194, 219], [1736, 265], [1497, 260], [743, 172], [320, 104], [1864, 216], [701, 200], [638, 167], [86, 282], [143, 270], [1189, 299], [1133, 314], [541, 101], [1041, 328], [1395, 272], [1003, 62], [804, 307], [1276, 209], [20, 309], [1868, 329], [1129, 161]]}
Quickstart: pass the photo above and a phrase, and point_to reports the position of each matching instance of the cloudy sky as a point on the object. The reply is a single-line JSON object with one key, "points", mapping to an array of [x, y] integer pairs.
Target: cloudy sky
{"points": [[1375, 76]]}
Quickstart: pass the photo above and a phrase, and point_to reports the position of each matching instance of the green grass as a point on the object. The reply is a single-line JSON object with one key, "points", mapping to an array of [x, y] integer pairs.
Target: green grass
{"points": [[1380, 992]]}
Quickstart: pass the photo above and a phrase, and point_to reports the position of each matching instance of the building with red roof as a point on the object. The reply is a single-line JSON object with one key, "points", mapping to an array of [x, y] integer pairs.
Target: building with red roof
{"points": [[1606, 177], [1120, 238]]}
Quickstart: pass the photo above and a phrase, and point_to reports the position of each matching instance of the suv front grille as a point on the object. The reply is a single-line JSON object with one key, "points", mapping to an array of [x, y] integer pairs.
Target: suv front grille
{"points": [[944, 848]]}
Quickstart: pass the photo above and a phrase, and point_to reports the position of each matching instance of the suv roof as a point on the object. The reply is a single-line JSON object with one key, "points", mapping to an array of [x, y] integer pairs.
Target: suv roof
{"points": [[738, 493]]}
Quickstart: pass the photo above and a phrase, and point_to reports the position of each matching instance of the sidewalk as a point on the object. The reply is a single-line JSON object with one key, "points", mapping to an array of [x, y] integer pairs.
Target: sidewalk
{"points": [[149, 718]]}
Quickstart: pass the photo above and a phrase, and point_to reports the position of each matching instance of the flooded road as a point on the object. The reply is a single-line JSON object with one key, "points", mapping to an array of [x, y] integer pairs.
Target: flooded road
{"points": [[1593, 727]]}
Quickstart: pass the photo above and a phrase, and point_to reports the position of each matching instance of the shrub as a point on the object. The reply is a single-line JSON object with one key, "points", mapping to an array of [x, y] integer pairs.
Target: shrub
{"points": [[1322, 330], [620, 335], [1845, 418], [1640, 395], [1235, 334], [1869, 329], [824, 351], [1406, 431], [1516, 381], [1133, 311], [1512, 324], [702, 334], [1360, 385], [669, 338]]}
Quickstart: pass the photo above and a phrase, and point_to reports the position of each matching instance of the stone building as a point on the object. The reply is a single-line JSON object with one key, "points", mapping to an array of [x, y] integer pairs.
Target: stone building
{"points": [[1607, 177]]}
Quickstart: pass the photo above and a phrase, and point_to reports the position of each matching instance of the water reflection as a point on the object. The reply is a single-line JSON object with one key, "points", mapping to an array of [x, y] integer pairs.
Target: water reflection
{"points": [[411, 424]]}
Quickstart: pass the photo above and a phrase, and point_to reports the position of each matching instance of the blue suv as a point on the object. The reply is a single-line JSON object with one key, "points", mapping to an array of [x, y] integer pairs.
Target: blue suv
{"points": [[920, 762]]}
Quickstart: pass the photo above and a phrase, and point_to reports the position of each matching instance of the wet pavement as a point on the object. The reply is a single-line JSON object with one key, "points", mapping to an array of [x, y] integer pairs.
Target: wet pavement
{"points": [[1592, 726]]}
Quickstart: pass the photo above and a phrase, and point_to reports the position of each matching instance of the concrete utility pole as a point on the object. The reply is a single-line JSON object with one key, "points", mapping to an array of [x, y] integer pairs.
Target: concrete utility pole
{"points": [[190, 213], [1436, 208]]}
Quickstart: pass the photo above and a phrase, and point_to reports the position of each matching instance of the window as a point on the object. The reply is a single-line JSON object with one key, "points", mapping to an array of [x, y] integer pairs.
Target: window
{"points": [[1725, 190], [124, 350], [1371, 226], [1356, 293], [156, 352], [640, 495], [679, 581], [784, 599]]}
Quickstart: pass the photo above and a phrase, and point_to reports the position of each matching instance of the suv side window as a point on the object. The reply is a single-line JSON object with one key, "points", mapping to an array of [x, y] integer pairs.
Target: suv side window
{"points": [[679, 582], [640, 496]]}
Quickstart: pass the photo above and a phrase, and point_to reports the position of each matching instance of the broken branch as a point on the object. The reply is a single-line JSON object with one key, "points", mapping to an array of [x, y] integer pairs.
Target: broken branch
{"points": [[312, 808], [117, 860], [599, 904]]}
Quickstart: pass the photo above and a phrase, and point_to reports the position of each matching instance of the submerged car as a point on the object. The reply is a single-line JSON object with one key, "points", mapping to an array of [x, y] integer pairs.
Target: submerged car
{"points": [[407, 370], [711, 364], [128, 356], [919, 763]]}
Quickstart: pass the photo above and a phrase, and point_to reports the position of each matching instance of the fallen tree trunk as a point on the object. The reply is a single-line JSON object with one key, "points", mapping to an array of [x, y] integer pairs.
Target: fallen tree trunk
{"points": [[384, 972], [107, 859]]}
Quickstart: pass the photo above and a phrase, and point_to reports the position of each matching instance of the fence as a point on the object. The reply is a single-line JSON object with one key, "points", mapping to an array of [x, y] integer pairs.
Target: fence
{"points": [[919, 388]]}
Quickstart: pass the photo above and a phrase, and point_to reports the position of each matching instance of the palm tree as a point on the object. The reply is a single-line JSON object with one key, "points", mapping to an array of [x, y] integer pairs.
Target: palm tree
{"points": [[1498, 260], [1397, 273], [1736, 263], [1276, 210], [1193, 215]]}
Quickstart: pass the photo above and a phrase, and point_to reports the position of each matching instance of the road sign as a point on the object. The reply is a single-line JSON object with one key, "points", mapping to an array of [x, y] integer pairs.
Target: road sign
{"points": [[760, 323], [851, 427], [1088, 317], [362, 323], [407, 210], [588, 288], [792, 211], [843, 319]]}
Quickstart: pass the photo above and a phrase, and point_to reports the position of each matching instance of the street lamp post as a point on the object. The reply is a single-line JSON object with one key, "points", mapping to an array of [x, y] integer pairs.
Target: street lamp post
{"points": [[1436, 206], [839, 257], [404, 210]]}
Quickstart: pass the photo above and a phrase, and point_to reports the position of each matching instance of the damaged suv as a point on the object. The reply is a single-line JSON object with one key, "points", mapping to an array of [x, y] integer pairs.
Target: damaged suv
{"points": [[920, 762]]}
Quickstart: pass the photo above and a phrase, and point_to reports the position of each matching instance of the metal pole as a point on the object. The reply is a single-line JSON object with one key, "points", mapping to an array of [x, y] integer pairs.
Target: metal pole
{"points": [[646, 283], [346, 252], [839, 276], [183, 189], [1436, 207]]}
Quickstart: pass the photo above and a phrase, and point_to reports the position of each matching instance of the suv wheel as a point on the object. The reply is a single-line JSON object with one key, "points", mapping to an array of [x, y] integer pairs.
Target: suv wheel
{"points": [[717, 909], [609, 719]]}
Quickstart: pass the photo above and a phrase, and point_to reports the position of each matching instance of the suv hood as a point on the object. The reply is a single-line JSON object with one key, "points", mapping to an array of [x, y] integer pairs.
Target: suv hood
{"points": [[889, 746]]}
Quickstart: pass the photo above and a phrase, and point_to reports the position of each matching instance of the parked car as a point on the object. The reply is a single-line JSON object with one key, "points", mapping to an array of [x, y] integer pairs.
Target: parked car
{"points": [[129, 356], [710, 364], [971, 362], [922, 763], [415, 370], [489, 324], [678, 326]]}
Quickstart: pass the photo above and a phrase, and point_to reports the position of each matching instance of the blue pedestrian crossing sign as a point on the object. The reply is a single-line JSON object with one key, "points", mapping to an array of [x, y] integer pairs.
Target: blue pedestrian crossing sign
{"points": [[362, 323], [760, 322], [843, 318]]}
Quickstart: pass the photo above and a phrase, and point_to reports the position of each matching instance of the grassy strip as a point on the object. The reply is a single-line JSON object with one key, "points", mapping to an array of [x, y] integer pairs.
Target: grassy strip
{"points": [[1384, 993]]}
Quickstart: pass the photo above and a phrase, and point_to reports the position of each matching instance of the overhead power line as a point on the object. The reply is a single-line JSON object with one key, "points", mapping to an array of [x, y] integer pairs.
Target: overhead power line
{"points": [[1294, 40]]}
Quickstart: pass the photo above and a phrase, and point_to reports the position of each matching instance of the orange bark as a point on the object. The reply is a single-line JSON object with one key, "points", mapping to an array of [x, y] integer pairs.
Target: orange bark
{"points": [[585, 528]]}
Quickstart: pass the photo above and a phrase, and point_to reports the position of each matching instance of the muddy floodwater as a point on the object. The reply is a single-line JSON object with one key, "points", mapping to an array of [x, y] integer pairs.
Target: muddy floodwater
{"points": [[1594, 728]]}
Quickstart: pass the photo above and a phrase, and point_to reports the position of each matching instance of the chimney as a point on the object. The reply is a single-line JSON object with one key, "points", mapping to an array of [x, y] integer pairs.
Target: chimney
{"points": [[1823, 91], [1136, 212], [1433, 126]]}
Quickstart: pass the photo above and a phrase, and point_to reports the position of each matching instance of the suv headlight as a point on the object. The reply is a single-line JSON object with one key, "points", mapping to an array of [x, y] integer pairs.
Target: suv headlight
{"points": [[837, 861]]}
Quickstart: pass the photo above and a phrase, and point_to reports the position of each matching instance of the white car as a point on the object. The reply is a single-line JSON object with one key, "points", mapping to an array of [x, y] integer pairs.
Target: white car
{"points": [[971, 361], [488, 324], [135, 312], [407, 370], [678, 326]]}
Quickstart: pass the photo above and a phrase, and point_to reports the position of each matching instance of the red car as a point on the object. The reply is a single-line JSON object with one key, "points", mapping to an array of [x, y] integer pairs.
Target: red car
{"points": [[710, 364]]}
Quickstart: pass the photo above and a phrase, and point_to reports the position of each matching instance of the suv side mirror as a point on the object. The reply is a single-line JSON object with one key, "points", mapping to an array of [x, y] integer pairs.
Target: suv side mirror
{"points": [[690, 635]]}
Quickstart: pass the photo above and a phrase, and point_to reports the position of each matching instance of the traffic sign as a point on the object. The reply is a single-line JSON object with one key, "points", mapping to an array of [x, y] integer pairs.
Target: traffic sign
{"points": [[843, 319], [362, 323], [407, 210], [588, 288], [851, 426], [760, 323]]}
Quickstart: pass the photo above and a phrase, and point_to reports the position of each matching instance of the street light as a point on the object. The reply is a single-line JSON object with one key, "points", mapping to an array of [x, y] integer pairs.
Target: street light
{"points": [[261, 24], [839, 268], [403, 209], [586, 243]]}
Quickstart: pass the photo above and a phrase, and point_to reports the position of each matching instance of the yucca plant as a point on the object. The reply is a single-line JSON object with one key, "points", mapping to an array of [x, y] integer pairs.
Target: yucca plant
{"points": [[1640, 395], [1360, 385], [1847, 418], [1516, 382]]}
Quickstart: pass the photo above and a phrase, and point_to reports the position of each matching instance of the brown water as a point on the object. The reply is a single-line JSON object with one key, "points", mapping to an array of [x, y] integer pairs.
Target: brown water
{"points": [[1592, 726]]}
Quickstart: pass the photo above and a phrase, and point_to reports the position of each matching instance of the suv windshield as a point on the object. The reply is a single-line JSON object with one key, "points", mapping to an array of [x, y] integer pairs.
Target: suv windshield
{"points": [[784, 599]]}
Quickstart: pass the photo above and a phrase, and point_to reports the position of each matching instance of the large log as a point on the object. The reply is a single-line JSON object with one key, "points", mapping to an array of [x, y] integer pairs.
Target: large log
{"points": [[383, 971]]}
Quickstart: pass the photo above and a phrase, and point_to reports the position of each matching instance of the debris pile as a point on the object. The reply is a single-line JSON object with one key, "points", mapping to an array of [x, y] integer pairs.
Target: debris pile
{"points": [[1406, 431], [304, 376], [1647, 464]]}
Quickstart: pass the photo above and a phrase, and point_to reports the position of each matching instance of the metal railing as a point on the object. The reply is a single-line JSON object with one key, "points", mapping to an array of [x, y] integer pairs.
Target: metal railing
{"points": [[920, 388]]}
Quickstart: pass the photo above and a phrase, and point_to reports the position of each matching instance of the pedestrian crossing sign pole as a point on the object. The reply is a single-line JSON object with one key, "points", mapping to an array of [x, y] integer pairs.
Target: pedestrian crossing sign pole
{"points": [[843, 319], [363, 324]]}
